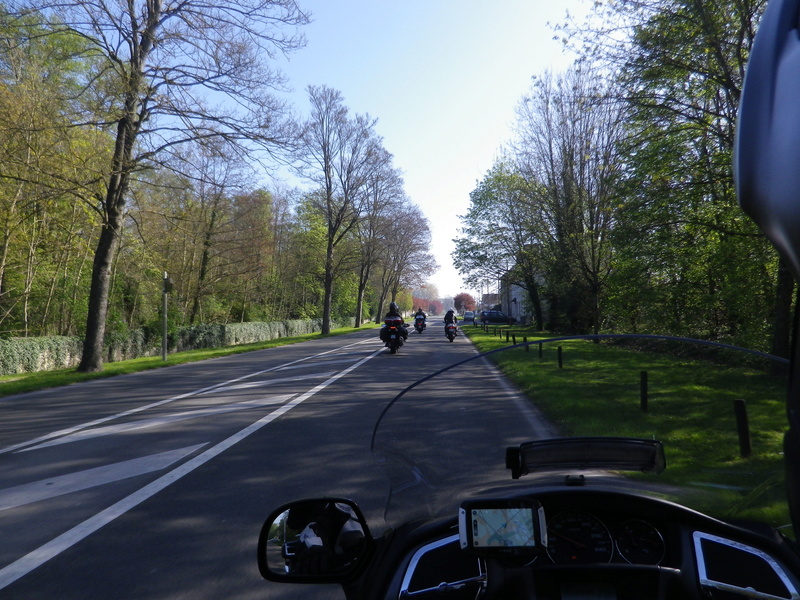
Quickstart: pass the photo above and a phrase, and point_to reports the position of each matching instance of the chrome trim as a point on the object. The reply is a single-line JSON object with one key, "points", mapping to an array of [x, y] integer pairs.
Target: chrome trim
{"points": [[412, 566], [699, 536]]}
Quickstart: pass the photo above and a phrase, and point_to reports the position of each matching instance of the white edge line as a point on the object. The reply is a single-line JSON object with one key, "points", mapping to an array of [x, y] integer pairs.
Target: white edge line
{"points": [[540, 426], [54, 547]]}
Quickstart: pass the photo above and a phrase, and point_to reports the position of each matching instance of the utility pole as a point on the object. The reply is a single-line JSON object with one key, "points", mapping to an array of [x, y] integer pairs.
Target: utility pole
{"points": [[166, 289]]}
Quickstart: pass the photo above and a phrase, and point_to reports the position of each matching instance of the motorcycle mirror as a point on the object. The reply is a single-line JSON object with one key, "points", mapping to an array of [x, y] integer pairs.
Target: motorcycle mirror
{"points": [[321, 540], [766, 153]]}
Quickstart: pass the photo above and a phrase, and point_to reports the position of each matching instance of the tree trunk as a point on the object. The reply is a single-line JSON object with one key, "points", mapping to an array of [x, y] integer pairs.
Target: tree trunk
{"points": [[92, 358], [536, 304], [114, 203], [362, 286], [782, 324], [204, 260], [328, 284]]}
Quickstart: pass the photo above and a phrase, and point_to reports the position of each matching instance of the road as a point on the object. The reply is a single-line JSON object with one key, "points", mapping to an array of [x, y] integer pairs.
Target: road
{"points": [[155, 485]]}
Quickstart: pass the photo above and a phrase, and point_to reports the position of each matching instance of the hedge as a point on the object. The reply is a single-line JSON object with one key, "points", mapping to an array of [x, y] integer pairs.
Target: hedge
{"points": [[21, 355]]}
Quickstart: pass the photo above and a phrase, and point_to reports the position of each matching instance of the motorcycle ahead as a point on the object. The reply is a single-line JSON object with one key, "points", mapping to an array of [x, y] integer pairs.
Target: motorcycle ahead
{"points": [[419, 324], [450, 331], [392, 334]]}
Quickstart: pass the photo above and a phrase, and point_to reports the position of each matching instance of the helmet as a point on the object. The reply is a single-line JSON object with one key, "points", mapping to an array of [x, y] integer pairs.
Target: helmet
{"points": [[393, 306]]}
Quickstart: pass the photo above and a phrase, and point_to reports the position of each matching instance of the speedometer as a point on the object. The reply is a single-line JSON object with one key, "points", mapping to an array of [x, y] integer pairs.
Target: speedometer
{"points": [[640, 543], [577, 537]]}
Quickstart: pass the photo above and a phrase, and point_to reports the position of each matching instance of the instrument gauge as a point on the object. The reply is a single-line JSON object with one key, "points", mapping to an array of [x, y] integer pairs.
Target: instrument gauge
{"points": [[577, 537], [640, 543]]}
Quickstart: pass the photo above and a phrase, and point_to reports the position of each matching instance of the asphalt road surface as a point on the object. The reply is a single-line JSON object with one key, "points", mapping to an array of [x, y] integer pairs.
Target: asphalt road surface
{"points": [[156, 485]]}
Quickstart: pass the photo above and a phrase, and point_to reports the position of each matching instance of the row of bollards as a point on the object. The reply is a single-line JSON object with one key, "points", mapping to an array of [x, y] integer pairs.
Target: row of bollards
{"points": [[739, 406]]}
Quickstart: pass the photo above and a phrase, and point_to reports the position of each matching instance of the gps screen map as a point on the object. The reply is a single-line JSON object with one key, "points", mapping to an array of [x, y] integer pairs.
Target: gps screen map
{"points": [[502, 528]]}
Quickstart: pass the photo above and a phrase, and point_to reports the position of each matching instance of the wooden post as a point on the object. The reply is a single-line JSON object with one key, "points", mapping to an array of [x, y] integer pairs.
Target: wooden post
{"points": [[643, 393], [743, 428]]}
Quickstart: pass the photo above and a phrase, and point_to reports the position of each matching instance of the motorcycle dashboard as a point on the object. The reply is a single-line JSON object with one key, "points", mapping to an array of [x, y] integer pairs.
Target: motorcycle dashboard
{"points": [[603, 545]]}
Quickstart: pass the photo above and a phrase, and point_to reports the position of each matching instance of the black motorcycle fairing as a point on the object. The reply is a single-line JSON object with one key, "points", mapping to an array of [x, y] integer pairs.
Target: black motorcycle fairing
{"points": [[741, 548]]}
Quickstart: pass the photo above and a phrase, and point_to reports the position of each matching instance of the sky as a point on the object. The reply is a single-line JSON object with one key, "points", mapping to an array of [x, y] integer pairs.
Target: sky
{"points": [[443, 79]]}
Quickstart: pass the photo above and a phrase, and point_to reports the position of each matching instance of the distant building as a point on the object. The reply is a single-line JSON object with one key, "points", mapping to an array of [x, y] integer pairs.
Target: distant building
{"points": [[489, 301]]}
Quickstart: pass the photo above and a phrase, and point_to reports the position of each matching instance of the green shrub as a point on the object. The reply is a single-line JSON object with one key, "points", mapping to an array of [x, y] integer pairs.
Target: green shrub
{"points": [[28, 355], [20, 355]]}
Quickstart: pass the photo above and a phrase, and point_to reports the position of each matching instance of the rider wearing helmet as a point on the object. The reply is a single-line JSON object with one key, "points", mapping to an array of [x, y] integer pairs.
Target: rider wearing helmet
{"points": [[394, 312], [450, 317]]}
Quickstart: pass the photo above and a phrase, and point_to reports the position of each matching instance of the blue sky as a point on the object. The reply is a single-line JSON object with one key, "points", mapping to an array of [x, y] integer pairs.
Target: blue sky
{"points": [[442, 77]]}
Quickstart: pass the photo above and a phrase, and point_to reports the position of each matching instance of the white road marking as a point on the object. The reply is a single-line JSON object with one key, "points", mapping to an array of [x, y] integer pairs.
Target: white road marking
{"points": [[262, 383], [87, 434], [126, 413], [323, 363], [81, 480], [53, 548]]}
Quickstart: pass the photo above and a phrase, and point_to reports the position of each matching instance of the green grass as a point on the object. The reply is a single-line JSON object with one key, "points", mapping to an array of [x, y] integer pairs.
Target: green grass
{"points": [[20, 383], [690, 410]]}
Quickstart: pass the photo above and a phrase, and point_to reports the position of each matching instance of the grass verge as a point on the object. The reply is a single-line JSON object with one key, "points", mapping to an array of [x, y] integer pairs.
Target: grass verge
{"points": [[689, 409], [20, 383]]}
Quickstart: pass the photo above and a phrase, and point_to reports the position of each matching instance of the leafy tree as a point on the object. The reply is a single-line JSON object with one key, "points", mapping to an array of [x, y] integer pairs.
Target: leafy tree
{"points": [[679, 66], [499, 238], [157, 66], [43, 164], [544, 218], [464, 301]]}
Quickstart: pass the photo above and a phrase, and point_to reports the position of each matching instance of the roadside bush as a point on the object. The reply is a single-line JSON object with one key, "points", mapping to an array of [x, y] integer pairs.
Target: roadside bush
{"points": [[20, 355]]}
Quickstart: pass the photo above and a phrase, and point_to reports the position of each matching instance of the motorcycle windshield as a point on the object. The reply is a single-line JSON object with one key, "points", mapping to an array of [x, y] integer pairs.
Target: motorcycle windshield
{"points": [[718, 413]]}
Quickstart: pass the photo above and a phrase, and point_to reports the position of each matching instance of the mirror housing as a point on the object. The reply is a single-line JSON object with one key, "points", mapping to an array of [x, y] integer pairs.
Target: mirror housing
{"points": [[319, 540]]}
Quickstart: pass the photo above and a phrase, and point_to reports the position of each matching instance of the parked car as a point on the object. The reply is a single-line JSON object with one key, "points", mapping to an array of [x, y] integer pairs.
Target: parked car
{"points": [[495, 316], [469, 315]]}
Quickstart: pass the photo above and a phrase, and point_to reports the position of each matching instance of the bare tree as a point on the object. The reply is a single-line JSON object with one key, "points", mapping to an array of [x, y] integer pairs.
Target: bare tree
{"points": [[384, 192], [568, 131], [338, 153], [170, 73], [405, 261]]}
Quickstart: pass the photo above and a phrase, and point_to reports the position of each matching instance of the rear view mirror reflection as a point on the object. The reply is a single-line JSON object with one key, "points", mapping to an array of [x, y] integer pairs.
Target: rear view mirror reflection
{"points": [[318, 540]]}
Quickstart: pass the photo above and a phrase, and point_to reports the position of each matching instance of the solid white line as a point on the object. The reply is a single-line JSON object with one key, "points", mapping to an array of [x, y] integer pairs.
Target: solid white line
{"points": [[53, 548], [127, 413], [83, 480]]}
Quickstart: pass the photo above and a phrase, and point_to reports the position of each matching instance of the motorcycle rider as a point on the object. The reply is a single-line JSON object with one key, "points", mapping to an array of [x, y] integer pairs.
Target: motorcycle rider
{"points": [[394, 312], [450, 317], [330, 538], [421, 314]]}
